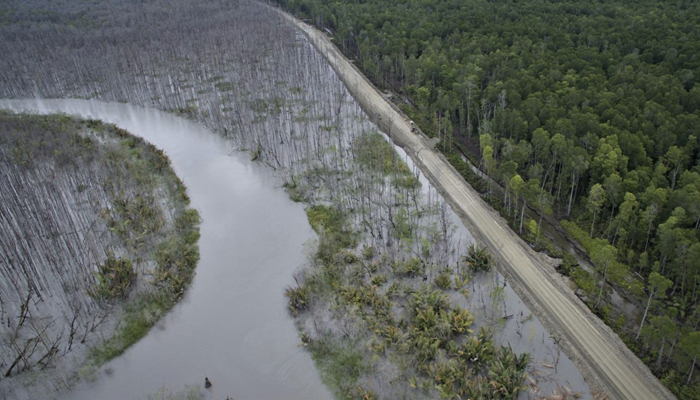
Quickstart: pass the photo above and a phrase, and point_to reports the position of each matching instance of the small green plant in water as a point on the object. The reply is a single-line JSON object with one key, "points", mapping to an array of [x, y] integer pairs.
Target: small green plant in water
{"points": [[443, 280], [115, 277], [298, 299], [478, 259]]}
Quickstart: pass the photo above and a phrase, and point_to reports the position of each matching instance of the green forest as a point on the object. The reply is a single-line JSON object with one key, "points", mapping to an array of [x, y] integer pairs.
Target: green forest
{"points": [[586, 111]]}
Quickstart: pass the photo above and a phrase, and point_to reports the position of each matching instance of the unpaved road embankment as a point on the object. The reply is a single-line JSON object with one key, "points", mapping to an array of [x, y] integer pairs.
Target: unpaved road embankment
{"points": [[599, 353]]}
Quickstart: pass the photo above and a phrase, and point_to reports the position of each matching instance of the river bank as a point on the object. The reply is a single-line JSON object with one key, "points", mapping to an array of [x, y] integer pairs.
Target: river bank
{"points": [[93, 221], [213, 331]]}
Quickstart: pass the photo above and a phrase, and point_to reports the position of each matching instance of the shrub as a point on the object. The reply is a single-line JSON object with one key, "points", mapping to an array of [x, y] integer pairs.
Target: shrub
{"points": [[411, 268], [114, 277], [373, 152], [368, 252], [379, 280], [298, 299], [443, 280], [322, 217], [478, 258]]}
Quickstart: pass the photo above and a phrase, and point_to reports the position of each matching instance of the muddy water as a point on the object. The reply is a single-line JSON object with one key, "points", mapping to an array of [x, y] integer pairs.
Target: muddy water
{"points": [[232, 326]]}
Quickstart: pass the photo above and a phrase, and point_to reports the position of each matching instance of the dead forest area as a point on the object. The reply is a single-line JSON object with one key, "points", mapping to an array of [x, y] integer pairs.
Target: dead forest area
{"points": [[384, 302], [97, 242]]}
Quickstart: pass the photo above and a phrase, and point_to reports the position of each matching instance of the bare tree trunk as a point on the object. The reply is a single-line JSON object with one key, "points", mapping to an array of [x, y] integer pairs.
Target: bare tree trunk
{"points": [[690, 374], [644, 317], [602, 284], [661, 353]]}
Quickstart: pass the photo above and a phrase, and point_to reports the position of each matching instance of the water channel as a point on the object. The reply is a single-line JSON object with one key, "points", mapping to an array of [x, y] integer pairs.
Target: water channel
{"points": [[232, 326]]}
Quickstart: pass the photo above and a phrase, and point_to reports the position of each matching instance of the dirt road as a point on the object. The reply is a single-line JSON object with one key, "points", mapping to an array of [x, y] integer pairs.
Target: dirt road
{"points": [[602, 357]]}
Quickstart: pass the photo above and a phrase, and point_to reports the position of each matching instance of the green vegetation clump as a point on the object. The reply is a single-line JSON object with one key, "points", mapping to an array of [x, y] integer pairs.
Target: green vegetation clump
{"points": [[29, 140], [141, 314], [224, 86], [478, 259], [375, 154], [371, 314], [340, 364], [443, 280], [115, 277], [270, 106], [378, 155], [190, 111], [411, 268], [324, 218], [431, 344], [298, 299], [329, 223]]}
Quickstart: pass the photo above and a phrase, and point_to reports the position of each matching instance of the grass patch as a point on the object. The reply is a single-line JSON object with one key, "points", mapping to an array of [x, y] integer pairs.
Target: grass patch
{"points": [[374, 153], [30, 139], [271, 106], [224, 86], [115, 277], [140, 316], [340, 364], [325, 218]]}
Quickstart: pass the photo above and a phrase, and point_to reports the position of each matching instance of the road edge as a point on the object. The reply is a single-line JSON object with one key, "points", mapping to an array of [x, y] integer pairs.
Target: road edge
{"points": [[544, 263]]}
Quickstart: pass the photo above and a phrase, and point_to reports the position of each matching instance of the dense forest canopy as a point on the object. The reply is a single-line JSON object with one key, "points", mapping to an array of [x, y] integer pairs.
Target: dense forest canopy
{"points": [[585, 110]]}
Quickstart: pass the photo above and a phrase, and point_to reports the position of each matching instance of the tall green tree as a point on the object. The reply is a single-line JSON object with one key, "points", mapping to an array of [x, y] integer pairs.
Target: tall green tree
{"points": [[660, 329], [603, 259], [596, 199], [577, 164], [691, 345], [519, 187], [626, 215], [656, 288], [507, 171]]}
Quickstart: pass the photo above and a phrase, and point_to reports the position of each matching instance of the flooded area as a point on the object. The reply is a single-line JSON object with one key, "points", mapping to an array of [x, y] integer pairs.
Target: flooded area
{"points": [[265, 88], [497, 306], [232, 326]]}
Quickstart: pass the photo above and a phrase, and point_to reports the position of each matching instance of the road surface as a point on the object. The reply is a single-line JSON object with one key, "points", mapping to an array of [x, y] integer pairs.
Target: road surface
{"points": [[602, 357]]}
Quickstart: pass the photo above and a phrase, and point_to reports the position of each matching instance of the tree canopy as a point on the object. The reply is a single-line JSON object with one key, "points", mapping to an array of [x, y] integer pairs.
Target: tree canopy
{"points": [[595, 104]]}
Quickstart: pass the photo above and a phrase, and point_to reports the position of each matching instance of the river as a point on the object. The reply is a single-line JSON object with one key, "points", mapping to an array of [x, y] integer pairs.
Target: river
{"points": [[232, 326]]}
